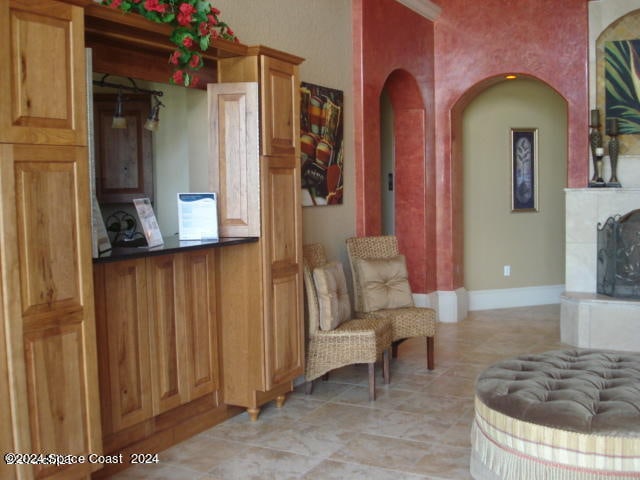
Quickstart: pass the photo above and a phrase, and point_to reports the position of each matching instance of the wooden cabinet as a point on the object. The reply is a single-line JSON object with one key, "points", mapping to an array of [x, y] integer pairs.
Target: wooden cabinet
{"points": [[262, 317], [124, 157], [235, 170], [157, 335], [48, 383]]}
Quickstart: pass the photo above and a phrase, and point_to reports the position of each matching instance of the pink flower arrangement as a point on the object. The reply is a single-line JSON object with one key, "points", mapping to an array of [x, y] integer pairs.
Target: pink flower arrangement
{"points": [[195, 23]]}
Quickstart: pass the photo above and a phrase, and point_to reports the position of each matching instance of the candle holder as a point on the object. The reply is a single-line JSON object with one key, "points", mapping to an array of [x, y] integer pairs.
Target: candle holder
{"points": [[614, 149], [595, 141]]}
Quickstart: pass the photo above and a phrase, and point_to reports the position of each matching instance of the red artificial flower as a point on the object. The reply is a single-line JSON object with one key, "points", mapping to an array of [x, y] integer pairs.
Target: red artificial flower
{"points": [[195, 81], [195, 61], [212, 20], [203, 29], [155, 6], [175, 57], [214, 34], [115, 3], [230, 32], [215, 11], [187, 41], [178, 77], [185, 12]]}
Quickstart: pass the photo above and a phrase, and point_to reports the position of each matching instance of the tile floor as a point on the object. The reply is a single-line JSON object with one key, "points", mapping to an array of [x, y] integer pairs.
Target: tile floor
{"points": [[417, 429]]}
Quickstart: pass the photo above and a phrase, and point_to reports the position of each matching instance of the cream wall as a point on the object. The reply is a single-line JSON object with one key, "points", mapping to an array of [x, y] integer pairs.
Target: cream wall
{"points": [[531, 243], [320, 32]]}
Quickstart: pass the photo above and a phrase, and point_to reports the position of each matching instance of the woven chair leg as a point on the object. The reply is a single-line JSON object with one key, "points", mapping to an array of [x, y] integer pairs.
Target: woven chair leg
{"points": [[308, 387], [430, 353], [372, 381], [385, 367]]}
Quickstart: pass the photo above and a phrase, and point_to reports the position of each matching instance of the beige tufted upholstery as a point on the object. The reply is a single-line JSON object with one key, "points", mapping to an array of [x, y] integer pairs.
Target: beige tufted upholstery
{"points": [[353, 341], [406, 322], [566, 414]]}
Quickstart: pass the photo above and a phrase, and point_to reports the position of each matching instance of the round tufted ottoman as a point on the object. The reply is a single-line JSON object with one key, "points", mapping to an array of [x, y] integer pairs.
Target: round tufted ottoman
{"points": [[561, 415]]}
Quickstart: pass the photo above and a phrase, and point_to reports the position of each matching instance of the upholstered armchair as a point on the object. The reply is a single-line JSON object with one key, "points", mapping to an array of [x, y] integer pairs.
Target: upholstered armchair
{"points": [[381, 290], [334, 339]]}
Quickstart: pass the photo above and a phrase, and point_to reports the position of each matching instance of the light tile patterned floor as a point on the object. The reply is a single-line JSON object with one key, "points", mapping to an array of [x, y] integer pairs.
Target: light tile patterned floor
{"points": [[418, 428]]}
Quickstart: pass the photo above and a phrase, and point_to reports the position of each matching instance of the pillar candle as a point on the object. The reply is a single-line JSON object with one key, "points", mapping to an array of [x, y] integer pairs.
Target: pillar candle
{"points": [[595, 117], [612, 126]]}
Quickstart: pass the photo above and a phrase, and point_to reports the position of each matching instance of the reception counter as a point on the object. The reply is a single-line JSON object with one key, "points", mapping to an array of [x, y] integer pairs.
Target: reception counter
{"points": [[171, 245], [158, 321]]}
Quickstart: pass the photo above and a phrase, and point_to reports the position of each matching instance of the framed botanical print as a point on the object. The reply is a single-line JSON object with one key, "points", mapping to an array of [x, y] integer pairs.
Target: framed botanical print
{"points": [[524, 169]]}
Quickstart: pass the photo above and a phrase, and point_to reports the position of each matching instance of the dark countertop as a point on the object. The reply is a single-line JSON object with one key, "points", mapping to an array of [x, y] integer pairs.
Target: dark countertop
{"points": [[171, 245]]}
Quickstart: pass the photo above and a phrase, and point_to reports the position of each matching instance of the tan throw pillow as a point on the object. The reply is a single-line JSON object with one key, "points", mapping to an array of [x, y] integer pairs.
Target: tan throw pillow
{"points": [[383, 283], [333, 297]]}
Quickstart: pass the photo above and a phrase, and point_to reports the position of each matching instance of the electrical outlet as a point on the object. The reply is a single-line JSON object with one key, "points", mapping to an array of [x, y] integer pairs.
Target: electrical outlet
{"points": [[507, 270]]}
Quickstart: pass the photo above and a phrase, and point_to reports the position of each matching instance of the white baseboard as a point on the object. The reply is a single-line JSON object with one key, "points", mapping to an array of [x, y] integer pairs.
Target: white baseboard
{"points": [[514, 297], [451, 306]]}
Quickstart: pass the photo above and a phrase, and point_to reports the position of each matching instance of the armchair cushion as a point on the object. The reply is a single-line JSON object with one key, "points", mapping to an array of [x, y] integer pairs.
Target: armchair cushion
{"points": [[333, 296], [383, 283]]}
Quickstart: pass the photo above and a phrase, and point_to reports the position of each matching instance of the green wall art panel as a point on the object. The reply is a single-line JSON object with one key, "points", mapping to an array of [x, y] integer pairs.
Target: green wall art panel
{"points": [[622, 84]]}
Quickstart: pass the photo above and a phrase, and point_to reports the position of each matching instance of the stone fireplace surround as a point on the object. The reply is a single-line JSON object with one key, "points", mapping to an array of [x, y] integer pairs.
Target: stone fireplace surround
{"points": [[588, 319]]}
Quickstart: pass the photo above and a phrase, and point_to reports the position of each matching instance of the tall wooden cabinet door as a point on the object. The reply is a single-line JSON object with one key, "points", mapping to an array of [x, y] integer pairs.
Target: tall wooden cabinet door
{"points": [[234, 160], [201, 342], [127, 343], [48, 302], [280, 98], [37, 37], [284, 328], [166, 311]]}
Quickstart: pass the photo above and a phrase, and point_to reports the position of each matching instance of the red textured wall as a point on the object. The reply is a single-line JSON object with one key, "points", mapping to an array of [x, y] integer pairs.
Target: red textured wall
{"points": [[478, 41], [389, 55], [471, 45]]}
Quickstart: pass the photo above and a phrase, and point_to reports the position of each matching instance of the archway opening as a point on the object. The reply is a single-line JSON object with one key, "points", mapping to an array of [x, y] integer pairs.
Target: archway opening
{"points": [[505, 246], [413, 177]]}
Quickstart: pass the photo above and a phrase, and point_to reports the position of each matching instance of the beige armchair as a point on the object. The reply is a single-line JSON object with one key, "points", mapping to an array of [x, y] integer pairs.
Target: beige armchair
{"points": [[371, 257], [352, 341]]}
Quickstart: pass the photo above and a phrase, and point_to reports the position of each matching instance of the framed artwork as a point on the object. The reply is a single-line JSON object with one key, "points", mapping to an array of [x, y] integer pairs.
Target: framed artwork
{"points": [[622, 98], [321, 146], [524, 169]]}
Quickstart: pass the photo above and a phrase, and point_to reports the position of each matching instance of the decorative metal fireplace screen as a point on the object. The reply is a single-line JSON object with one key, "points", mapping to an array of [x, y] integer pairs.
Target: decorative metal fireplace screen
{"points": [[619, 256]]}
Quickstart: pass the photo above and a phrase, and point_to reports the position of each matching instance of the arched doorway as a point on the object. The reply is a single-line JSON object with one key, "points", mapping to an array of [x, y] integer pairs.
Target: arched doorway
{"points": [[414, 195], [512, 257]]}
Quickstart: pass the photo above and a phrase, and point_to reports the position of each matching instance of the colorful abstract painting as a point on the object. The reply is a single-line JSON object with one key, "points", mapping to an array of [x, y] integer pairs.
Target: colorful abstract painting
{"points": [[622, 84], [321, 146]]}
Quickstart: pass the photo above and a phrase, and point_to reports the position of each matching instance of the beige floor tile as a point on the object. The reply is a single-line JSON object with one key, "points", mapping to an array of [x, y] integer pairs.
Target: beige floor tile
{"points": [[445, 462], [264, 464], [383, 452], [331, 470]]}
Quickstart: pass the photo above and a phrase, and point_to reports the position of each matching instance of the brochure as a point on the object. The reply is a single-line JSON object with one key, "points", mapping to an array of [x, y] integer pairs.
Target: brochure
{"points": [[148, 221], [198, 216]]}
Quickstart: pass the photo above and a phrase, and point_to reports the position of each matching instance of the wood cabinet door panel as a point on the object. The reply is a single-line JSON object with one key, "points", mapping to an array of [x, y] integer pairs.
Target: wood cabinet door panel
{"points": [[284, 332], [124, 158], [201, 323], [128, 343], [280, 107], [235, 167], [55, 371], [46, 191], [166, 312], [282, 202], [42, 108], [45, 225]]}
